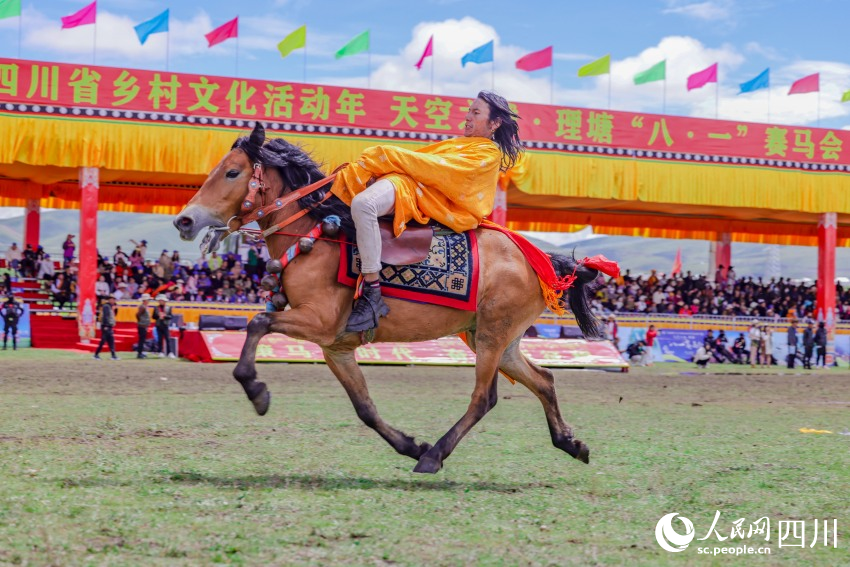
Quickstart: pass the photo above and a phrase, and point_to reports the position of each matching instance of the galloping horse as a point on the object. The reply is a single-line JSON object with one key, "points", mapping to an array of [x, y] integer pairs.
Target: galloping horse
{"points": [[509, 295]]}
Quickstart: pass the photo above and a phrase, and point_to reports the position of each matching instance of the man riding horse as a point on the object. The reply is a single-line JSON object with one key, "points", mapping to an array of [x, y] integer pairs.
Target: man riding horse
{"points": [[452, 182]]}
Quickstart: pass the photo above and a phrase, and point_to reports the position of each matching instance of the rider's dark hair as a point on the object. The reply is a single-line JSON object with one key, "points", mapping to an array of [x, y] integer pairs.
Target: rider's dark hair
{"points": [[507, 134]]}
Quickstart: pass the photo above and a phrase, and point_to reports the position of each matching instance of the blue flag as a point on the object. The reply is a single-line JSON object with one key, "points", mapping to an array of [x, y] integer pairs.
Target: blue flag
{"points": [[760, 82], [483, 54], [157, 24]]}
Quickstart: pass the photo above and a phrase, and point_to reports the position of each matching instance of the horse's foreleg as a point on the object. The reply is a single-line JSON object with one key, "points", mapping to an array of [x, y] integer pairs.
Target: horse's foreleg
{"points": [[484, 397], [345, 368], [246, 369], [541, 382]]}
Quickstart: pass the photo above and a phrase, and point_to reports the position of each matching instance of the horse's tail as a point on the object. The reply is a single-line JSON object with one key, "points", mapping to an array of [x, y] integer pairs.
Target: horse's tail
{"points": [[578, 296]]}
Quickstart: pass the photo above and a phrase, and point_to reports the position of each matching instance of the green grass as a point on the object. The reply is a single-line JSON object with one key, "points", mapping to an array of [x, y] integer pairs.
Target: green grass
{"points": [[164, 463]]}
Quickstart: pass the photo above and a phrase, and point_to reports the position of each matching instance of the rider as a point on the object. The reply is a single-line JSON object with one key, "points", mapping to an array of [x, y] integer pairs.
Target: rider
{"points": [[452, 181]]}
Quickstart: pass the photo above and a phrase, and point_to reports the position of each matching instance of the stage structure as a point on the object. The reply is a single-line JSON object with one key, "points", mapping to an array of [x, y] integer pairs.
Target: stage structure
{"points": [[103, 138]]}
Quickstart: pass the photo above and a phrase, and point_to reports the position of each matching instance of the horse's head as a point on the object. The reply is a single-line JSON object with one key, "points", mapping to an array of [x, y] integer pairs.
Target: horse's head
{"points": [[221, 197]]}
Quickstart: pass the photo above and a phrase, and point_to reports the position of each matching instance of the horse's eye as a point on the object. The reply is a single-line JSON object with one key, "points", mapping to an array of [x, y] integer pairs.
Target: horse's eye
{"points": [[232, 174]]}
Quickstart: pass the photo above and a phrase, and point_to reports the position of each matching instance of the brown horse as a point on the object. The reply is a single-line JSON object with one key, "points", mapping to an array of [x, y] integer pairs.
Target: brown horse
{"points": [[509, 299]]}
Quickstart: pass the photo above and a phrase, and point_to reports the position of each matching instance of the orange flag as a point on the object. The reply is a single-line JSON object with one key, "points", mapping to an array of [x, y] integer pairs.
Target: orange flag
{"points": [[677, 263]]}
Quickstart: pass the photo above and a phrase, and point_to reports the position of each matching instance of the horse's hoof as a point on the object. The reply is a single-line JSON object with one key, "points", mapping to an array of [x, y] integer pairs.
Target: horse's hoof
{"points": [[582, 452], [427, 465], [262, 401]]}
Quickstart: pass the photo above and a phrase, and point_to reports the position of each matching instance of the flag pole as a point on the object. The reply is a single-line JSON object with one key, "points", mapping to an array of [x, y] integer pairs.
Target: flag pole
{"points": [[664, 93], [493, 75], [552, 83], [167, 49], [94, 44], [609, 89], [818, 122], [768, 104], [432, 67], [304, 73], [237, 57], [369, 63], [20, 31], [716, 99]]}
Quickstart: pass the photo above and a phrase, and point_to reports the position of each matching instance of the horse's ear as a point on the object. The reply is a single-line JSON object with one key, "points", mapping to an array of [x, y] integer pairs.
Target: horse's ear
{"points": [[258, 135]]}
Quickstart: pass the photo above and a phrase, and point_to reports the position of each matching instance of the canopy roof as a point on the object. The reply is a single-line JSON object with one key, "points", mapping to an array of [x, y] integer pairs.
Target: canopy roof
{"points": [[624, 173]]}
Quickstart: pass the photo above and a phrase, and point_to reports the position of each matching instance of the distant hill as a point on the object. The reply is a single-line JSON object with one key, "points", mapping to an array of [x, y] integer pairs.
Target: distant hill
{"points": [[640, 255]]}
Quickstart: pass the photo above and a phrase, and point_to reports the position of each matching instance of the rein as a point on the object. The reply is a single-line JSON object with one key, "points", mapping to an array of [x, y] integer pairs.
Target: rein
{"points": [[256, 212]]}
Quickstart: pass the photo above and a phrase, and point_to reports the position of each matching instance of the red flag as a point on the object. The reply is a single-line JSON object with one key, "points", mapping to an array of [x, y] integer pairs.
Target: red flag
{"points": [[537, 60], [429, 52], [677, 263], [87, 15], [810, 84], [223, 32], [702, 78]]}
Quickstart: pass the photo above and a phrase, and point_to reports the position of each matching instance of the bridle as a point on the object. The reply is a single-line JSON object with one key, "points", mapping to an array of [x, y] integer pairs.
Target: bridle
{"points": [[253, 211]]}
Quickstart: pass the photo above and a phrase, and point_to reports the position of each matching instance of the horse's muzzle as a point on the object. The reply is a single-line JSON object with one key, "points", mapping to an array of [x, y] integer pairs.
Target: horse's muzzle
{"points": [[193, 219]]}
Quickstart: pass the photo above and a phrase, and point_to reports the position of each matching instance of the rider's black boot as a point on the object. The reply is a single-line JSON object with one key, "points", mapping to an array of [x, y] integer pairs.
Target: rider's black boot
{"points": [[367, 310]]}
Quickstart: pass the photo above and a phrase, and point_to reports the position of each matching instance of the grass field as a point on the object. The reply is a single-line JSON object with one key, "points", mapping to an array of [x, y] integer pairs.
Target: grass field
{"points": [[163, 462]]}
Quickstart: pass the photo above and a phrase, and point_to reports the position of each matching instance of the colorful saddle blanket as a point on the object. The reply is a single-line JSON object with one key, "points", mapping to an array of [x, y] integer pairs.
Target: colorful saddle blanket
{"points": [[448, 276]]}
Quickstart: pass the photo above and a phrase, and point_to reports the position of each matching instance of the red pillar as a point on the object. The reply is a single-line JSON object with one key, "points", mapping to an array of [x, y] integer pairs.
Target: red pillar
{"points": [[87, 275], [827, 225], [500, 210], [32, 223], [721, 253]]}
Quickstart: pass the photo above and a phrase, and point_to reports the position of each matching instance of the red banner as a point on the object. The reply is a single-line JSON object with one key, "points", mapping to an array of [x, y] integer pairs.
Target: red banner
{"points": [[114, 92], [448, 351]]}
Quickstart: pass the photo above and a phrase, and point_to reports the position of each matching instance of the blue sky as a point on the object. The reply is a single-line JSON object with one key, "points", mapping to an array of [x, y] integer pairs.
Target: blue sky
{"points": [[794, 38]]}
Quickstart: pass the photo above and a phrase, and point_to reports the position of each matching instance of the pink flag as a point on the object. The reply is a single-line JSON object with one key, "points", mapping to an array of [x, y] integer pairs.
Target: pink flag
{"points": [[223, 32], [86, 16], [810, 84], [429, 52], [702, 78], [537, 60]]}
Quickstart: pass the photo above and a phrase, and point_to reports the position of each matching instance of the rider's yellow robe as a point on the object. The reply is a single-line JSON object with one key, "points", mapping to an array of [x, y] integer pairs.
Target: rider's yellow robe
{"points": [[453, 181]]}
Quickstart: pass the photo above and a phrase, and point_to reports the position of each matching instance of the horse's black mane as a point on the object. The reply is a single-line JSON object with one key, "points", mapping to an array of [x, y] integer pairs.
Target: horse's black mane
{"points": [[297, 169]]}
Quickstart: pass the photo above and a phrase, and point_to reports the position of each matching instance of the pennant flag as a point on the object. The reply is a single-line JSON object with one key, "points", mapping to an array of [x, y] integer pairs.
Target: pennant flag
{"points": [[357, 45], [483, 54], [295, 40], [429, 52], [702, 78], [762, 81], [601, 66], [846, 96], [657, 72], [223, 32], [677, 263], [157, 24], [9, 8], [86, 16], [810, 84], [534, 61]]}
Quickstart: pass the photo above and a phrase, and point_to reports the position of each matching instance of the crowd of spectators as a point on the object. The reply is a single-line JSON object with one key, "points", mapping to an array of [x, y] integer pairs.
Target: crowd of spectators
{"points": [[689, 295], [228, 278], [233, 279]]}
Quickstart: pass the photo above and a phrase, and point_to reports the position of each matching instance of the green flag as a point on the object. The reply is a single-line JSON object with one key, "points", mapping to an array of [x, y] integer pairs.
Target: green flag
{"points": [[10, 8], [845, 97], [295, 40], [357, 45], [657, 72], [601, 66]]}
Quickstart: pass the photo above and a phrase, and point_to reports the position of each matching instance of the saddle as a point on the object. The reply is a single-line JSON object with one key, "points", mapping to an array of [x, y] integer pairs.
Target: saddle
{"points": [[411, 247]]}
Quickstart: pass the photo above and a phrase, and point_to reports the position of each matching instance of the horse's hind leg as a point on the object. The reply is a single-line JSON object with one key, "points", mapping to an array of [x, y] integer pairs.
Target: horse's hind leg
{"points": [[484, 397], [542, 383], [246, 369], [345, 368]]}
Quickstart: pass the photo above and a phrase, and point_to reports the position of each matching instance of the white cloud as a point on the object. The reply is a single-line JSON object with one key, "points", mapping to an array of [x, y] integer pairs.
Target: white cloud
{"points": [[711, 10]]}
